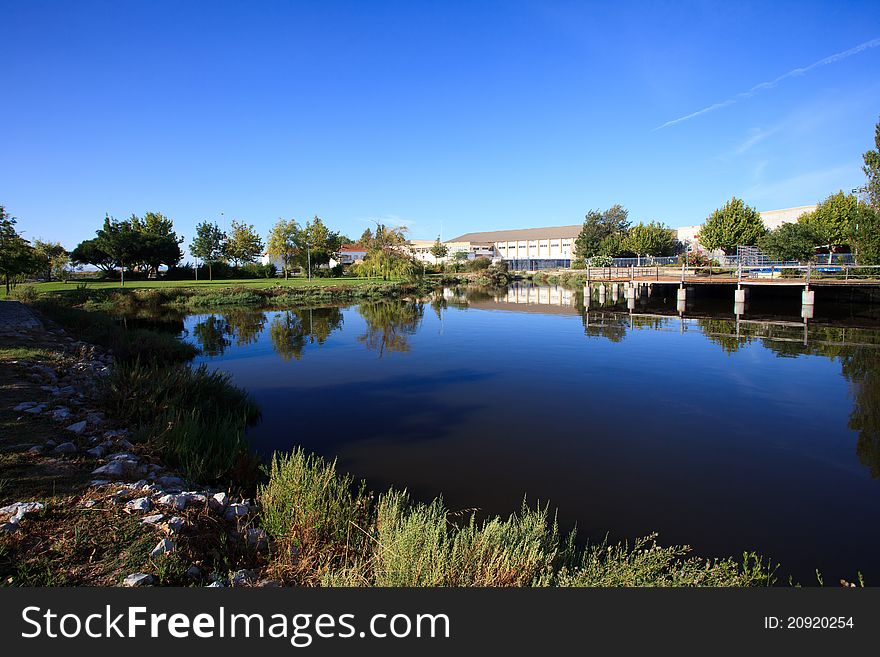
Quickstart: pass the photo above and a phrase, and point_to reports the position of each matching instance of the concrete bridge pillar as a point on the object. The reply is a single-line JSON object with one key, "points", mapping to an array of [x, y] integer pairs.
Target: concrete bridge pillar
{"points": [[615, 292], [681, 294], [740, 294], [739, 308], [808, 297]]}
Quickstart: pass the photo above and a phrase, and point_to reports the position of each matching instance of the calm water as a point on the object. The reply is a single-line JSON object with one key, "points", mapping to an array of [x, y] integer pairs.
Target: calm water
{"points": [[729, 436]]}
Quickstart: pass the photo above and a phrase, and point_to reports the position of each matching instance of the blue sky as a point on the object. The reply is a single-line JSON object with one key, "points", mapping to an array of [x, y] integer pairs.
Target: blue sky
{"points": [[471, 115]]}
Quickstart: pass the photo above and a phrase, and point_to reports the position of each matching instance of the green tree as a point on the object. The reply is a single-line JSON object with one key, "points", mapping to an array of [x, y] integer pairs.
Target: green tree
{"points": [[16, 254], [602, 232], [833, 220], [734, 224], [89, 252], [243, 243], [51, 257], [865, 239], [317, 244], [159, 243], [653, 239], [439, 250], [872, 170], [121, 242], [208, 245], [284, 243], [793, 241]]}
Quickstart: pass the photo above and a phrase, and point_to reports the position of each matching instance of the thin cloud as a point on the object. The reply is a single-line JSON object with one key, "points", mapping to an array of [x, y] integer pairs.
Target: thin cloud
{"points": [[765, 86]]}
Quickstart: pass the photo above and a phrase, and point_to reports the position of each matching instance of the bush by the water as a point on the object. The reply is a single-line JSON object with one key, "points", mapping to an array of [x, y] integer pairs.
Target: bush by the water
{"points": [[195, 418]]}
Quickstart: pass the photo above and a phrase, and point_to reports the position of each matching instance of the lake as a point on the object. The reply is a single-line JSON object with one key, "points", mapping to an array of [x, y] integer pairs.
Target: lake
{"points": [[758, 434]]}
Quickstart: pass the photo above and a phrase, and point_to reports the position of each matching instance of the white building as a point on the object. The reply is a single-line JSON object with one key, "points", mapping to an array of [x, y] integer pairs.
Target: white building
{"points": [[525, 248]]}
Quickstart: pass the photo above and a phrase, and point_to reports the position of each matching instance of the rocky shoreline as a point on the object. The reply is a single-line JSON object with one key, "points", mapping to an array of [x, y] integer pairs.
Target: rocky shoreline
{"points": [[120, 474]]}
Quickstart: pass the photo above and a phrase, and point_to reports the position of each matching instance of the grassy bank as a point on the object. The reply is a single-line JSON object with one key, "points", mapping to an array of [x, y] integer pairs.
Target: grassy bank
{"points": [[330, 531]]}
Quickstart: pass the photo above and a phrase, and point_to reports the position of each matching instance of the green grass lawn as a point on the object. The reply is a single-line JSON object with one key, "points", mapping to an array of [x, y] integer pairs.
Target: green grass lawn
{"points": [[218, 284]]}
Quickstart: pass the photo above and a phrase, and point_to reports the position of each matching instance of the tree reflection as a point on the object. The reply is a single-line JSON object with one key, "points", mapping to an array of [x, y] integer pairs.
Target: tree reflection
{"points": [[292, 330], [724, 333], [861, 366], [389, 324], [216, 333], [213, 335]]}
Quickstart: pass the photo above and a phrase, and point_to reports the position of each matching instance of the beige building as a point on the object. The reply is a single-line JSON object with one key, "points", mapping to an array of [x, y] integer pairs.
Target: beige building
{"points": [[526, 248]]}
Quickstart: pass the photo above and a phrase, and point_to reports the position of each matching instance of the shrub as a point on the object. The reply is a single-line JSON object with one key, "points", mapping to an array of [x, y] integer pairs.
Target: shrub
{"points": [[601, 261], [319, 517], [25, 293], [194, 418]]}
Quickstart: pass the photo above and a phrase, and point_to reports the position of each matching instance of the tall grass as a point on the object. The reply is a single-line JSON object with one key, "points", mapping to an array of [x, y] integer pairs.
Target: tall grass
{"points": [[194, 418], [327, 531]]}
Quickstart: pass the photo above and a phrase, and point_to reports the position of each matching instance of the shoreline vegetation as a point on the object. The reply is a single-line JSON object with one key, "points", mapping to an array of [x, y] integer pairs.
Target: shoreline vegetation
{"points": [[314, 526]]}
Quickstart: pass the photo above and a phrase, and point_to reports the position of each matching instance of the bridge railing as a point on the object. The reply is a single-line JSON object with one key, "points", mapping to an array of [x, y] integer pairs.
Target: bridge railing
{"points": [[726, 274]]}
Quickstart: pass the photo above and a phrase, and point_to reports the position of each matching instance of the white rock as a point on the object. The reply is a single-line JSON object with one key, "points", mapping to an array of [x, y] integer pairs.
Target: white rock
{"points": [[97, 452], [176, 501], [236, 511], [61, 414], [18, 510], [66, 448], [138, 579], [176, 524], [171, 483], [112, 469], [23, 406], [141, 505], [154, 519], [218, 501], [36, 449], [77, 427], [194, 572], [163, 547], [39, 408]]}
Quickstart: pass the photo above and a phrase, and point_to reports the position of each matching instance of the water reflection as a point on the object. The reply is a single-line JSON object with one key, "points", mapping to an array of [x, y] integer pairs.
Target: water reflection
{"points": [[291, 331], [390, 323], [215, 333]]}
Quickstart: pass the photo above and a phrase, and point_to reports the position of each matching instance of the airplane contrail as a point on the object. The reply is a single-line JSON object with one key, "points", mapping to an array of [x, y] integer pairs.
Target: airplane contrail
{"points": [[764, 86]]}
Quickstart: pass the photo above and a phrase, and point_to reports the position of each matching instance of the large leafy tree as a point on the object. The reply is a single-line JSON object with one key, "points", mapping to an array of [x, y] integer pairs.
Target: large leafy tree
{"points": [[603, 232], [243, 243], [386, 256], [865, 238], [16, 254], [833, 220], [653, 239], [159, 243], [793, 241], [284, 243], [52, 258], [872, 170], [122, 242], [318, 244], [734, 224], [89, 252], [208, 245]]}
